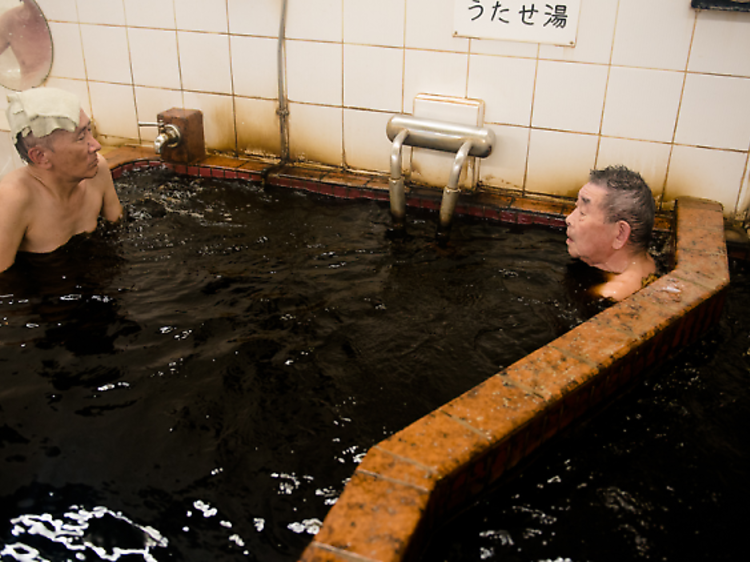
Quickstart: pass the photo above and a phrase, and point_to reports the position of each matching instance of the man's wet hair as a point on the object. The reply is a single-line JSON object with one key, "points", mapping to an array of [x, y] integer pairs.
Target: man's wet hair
{"points": [[628, 198]]}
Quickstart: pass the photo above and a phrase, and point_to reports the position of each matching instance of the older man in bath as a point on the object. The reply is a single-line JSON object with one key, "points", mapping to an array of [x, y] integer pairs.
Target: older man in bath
{"points": [[66, 184], [610, 229]]}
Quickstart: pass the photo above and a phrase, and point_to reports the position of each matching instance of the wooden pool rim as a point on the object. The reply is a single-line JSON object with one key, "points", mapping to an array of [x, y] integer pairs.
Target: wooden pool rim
{"points": [[408, 484]]}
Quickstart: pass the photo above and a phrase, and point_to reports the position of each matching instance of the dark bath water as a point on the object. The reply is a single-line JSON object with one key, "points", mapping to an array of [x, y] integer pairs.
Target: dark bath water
{"points": [[662, 474], [198, 382]]}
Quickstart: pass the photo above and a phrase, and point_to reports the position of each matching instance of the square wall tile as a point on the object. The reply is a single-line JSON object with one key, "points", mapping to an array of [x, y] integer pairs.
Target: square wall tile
{"points": [[67, 60], [150, 13], [113, 111], [366, 146], [106, 65], [431, 72], [59, 10], [254, 18], [254, 66], [506, 165], [314, 72], [706, 173], [375, 23], [315, 133], [154, 56], [201, 15], [149, 102], [503, 48], [642, 104], [506, 85], [108, 12], [569, 96], [649, 159], [596, 30], [429, 25], [204, 61], [317, 20], [218, 119], [653, 34], [373, 77], [258, 128], [721, 44], [714, 112], [559, 163]]}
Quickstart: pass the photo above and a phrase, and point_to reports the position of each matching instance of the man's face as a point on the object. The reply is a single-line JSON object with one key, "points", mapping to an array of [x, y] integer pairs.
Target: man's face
{"points": [[590, 236], [74, 153]]}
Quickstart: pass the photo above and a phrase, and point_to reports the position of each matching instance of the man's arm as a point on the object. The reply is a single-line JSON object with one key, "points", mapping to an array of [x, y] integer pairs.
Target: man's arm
{"points": [[111, 207], [14, 204]]}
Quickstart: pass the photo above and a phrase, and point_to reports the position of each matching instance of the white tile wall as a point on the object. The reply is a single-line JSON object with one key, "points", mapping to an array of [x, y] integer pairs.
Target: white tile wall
{"points": [[430, 72], [701, 172], [429, 25], [569, 96], [649, 158], [67, 61], [596, 28], [506, 85], [316, 133], [378, 23], [254, 17], [366, 145], [721, 44], [653, 34], [201, 15], [714, 113], [652, 84], [153, 53], [318, 20], [254, 66], [204, 62], [106, 65], [108, 12], [373, 77], [150, 13], [314, 72], [257, 126], [559, 163], [654, 95]]}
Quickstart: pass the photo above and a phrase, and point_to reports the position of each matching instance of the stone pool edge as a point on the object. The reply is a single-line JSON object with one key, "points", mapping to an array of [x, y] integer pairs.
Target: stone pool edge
{"points": [[407, 484]]}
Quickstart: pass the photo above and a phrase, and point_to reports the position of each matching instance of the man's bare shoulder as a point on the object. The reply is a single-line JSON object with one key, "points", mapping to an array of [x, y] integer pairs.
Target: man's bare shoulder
{"points": [[16, 187]]}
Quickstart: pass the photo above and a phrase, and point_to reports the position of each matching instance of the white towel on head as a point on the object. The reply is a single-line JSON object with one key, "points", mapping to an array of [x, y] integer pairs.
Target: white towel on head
{"points": [[42, 110]]}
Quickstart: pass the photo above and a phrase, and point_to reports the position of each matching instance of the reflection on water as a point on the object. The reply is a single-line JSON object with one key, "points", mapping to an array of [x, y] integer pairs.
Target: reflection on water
{"points": [[108, 535]]}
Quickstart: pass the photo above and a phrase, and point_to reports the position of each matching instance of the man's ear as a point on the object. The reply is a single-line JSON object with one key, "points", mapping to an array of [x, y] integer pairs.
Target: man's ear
{"points": [[38, 156], [622, 235]]}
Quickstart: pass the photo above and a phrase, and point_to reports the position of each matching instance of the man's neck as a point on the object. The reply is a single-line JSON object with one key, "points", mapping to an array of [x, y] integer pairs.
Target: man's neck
{"points": [[55, 185]]}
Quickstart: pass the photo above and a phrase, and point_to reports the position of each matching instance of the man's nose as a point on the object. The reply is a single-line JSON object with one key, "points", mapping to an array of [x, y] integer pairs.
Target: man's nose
{"points": [[94, 145]]}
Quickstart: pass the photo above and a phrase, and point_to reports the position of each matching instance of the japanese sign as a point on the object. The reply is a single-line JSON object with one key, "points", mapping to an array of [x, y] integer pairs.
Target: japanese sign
{"points": [[550, 21]]}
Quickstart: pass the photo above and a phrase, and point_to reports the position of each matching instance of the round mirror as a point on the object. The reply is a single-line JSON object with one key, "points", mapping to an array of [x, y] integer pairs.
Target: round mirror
{"points": [[25, 45]]}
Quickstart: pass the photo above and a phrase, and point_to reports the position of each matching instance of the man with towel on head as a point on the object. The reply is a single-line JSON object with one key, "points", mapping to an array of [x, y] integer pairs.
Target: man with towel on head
{"points": [[66, 185]]}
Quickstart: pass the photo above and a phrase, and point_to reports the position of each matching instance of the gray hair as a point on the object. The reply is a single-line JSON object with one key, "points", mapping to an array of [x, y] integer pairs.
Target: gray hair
{"points": [[628, 198]]}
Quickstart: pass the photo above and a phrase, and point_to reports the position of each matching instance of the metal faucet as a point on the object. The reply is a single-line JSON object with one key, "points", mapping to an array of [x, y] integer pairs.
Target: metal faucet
{"points": [[169, 135]]}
